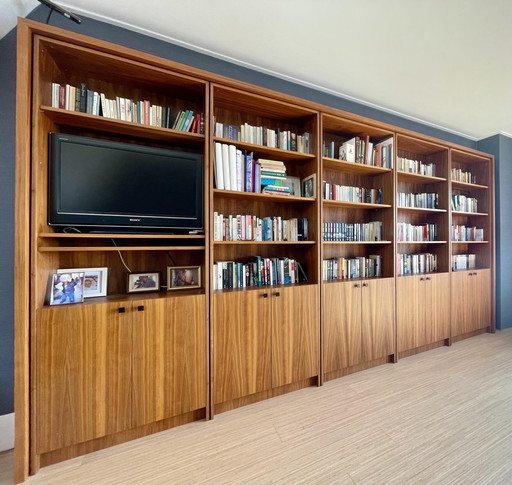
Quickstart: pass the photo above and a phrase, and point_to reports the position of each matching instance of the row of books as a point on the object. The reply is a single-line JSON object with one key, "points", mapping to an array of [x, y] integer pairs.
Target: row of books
{"points": [[336, 269], [407, 264], [344, 231], [258, 272], [464, 233], [348, 193], [238, 170], [463, 261], [420, 201], [360, 149], [414, 233], [461, 203], [459, 175], [404, 164], [253, 228], [85, 100], [264, 136]]}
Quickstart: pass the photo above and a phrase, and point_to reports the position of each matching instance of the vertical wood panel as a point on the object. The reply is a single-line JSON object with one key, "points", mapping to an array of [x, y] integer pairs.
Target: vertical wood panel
{"points": [[480, 296], [437, 311], [295, 334], [83, 374], [460, 313], [169, 359], [410, 312], [242, 346]]}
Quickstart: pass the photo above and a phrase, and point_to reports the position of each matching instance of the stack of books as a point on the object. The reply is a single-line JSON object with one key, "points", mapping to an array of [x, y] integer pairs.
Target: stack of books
{"points": [[273, 176]]}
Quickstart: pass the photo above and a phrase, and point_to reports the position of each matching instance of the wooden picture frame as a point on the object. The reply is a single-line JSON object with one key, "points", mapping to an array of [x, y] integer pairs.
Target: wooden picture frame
{"points": [[183, 277], [309, 186], [95, 280], [143, 282]]}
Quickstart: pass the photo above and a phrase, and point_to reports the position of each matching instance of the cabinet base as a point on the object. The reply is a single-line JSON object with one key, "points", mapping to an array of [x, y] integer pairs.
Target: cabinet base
{"points": [[424, 348], [335, 374], [474, 333], [62, 454]]}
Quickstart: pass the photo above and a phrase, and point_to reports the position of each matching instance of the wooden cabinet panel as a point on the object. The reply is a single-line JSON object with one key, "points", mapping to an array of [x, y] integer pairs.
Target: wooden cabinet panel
{"points": [[295, 334], [437, 311], [377, 318], [242, 346], [471, 300], [169, 357], [342, 327], [82, 368], [410, 312]]}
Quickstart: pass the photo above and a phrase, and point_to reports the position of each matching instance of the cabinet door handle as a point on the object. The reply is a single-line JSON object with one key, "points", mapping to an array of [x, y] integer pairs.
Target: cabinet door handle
{"points": [[265, 295], [422, 279], [121, 309], [365, 285], [475, 273], [470, 274], [140, 308], [357, 286], [428, 278], [277, 293]]}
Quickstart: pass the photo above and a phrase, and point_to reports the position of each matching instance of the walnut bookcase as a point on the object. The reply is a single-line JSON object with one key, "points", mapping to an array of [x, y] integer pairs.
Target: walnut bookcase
{"points": [[122, 366]]}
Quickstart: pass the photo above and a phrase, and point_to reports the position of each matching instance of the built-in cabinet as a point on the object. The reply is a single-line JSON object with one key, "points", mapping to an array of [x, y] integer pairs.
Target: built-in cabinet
{"points": [[124, 365]]}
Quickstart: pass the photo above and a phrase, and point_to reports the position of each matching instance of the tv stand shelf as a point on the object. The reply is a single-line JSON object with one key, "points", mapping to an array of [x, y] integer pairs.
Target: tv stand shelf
{"points": [[77, 235]]}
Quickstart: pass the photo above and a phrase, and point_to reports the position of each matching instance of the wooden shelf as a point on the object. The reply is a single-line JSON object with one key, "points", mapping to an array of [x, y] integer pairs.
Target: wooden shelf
{"points": [[78, 249], [465, 185], [352, 167], [126, 128], [357, 242], [418, 178], [461, 213], [469, 242], [419, 209], [272, 153], [263, 197], [355, 205]]}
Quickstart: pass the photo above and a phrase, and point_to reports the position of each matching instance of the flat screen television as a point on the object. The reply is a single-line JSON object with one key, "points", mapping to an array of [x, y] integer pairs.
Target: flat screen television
{"points": [[105, 185]]}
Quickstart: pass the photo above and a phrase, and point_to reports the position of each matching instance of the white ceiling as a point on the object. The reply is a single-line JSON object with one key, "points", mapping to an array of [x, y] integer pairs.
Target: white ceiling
{"points": [[443, 62]]}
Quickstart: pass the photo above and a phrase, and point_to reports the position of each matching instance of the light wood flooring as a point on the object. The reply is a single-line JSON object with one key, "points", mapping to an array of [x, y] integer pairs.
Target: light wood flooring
{"points": [[441, 417]]}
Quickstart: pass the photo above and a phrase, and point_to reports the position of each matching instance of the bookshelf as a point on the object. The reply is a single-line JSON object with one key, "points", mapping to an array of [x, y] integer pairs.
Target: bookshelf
{"points": [[142, 367], [422, 244], [286, 322], [353, 332], [472, 230]]}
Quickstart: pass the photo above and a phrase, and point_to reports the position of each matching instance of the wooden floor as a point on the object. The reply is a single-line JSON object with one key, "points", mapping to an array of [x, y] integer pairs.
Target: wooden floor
{"points": [[441, 417]]}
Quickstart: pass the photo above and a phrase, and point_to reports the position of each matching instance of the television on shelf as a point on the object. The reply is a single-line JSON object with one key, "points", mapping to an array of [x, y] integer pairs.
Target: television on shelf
{"points": [[109, 186]]}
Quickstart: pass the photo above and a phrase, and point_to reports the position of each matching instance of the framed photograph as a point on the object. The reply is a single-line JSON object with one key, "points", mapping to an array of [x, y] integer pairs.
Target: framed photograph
{"points": [[183, 277], [143, 282], [293, 183], [309, 186], [66, 288], [95, 280]]}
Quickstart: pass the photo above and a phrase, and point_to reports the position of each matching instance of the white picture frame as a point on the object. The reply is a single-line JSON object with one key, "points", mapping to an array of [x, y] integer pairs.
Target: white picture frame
{"points": [[309, 186], [95, 280]]}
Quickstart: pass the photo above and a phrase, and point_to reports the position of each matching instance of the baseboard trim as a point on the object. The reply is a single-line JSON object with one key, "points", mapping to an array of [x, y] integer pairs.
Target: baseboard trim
{"points": [[6, 432]]}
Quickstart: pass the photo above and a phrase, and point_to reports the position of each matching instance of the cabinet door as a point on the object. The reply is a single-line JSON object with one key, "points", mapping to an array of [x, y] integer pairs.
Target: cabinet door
{"points": [[480, 296], [377, 318], [342, 325], [169, 357], [241, 340], [411, 307], [295, 334], [437, 317], [460, 303], [82, 367]]}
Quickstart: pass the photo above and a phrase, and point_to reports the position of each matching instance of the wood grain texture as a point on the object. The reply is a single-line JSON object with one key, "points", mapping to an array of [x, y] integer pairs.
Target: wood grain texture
{"points": [[437, 311], [295, 334], [411, 307], [242, 344], [169, 358], [82, 374]]}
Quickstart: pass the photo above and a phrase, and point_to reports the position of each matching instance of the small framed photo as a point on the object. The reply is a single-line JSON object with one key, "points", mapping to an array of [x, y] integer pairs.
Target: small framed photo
{"points": [[309, 186], [66, 288], [183, 277], [143, 282], [293, 183], [95, 280]]}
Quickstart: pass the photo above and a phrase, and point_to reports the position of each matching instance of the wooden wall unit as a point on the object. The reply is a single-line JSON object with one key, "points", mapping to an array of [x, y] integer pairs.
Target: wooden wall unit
{"points": [[93, 375]]}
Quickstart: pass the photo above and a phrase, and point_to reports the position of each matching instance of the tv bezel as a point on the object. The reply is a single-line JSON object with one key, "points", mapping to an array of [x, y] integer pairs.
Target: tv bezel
{"points": [[119, 222]]}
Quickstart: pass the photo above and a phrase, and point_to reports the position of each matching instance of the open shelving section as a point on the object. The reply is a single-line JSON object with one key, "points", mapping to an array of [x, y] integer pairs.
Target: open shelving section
{"points": [[332, 243]]}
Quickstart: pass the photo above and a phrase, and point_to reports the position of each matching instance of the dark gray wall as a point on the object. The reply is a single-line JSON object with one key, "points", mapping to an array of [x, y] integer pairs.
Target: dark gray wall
{"points": [[501, 147], [140, 42]]}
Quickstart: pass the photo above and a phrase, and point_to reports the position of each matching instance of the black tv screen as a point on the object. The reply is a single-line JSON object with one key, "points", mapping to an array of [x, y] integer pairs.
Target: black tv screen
{"points": [[101, 184]]}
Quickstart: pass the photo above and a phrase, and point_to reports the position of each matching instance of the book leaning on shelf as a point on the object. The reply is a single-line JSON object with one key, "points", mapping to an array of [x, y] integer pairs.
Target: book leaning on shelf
{"points": [[258, 272]]}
